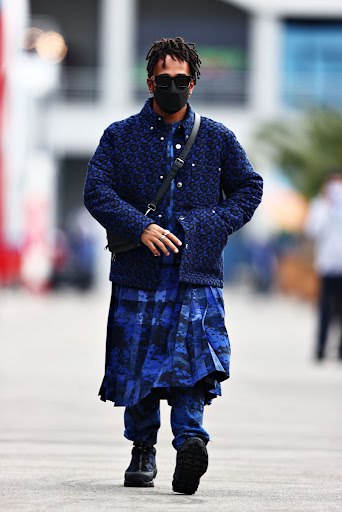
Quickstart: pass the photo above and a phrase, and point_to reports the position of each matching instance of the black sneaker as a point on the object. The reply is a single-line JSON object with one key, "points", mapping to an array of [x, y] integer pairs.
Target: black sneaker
{"points": [[191, 464], [142, 469]]}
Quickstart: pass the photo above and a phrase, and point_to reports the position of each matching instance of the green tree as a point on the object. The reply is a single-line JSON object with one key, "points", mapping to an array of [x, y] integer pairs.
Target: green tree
{"points": [[305, 148]]}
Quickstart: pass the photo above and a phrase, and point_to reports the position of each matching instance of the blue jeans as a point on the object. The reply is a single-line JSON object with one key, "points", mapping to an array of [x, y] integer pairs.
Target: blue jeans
{"points": [[142, 421]]}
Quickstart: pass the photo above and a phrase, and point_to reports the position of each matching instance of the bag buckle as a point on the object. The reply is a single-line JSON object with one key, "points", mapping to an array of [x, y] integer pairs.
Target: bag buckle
{"points": [[150, 207]]}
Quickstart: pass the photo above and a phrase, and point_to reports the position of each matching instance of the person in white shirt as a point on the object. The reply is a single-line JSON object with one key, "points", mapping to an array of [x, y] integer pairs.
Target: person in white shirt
{"points": [[324, 225]]}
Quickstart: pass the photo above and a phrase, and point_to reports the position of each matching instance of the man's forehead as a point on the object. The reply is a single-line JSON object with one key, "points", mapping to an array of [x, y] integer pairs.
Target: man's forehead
{"points": [[171, 62]]}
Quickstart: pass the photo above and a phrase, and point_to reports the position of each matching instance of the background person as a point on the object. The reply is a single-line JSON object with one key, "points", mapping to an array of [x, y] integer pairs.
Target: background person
{"points": [[324, 226]]}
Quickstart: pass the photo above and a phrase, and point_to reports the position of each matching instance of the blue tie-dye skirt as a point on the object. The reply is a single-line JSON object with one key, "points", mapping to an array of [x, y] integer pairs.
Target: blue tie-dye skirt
{"points": [[171, 337]]}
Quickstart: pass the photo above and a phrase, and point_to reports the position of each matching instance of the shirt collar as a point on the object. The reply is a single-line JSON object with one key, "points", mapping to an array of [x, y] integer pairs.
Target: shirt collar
{"points": [[155, 119]]}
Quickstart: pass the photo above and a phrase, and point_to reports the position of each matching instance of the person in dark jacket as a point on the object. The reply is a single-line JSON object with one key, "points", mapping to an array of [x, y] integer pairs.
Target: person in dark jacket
{"points": [[166, 335]]}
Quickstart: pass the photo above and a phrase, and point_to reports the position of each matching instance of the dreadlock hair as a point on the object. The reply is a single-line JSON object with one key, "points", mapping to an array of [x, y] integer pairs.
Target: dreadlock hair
{"points": [[176, 47]]}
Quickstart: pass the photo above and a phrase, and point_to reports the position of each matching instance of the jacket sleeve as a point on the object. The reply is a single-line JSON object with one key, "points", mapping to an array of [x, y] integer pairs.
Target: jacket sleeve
{"points": [[102, 201], [242, 186]]}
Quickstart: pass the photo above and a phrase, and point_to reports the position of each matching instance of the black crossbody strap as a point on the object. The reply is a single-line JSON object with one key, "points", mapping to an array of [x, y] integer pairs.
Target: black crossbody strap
{"points": [[177, 164]]}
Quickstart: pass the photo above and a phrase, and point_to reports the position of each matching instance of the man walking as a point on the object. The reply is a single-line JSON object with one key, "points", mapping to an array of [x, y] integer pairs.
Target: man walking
{"points": [[166, 335], [324, 226]]}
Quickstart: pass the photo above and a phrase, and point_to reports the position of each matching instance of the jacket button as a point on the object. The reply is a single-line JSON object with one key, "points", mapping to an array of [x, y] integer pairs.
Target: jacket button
{"points": [[179, 184], [178, 146], [213, 211], [186, 246], [181, 217], [161, 138], [151, 127], [161, 177], [160, 215]]}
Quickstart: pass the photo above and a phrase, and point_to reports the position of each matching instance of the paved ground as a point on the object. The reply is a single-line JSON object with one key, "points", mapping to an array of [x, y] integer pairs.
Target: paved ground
{"points": [[276, 432]]}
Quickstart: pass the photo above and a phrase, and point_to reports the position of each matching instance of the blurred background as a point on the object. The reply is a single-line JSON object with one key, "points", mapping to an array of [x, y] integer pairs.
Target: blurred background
{"points": [[271, 72]]}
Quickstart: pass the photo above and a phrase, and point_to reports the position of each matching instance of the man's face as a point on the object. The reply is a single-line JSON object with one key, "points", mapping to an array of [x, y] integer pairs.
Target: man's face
{"points": [[172, 68]]}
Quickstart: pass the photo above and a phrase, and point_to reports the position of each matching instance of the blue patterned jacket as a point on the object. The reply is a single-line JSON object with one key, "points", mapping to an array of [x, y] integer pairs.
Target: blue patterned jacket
{"points": [[126, 171]]}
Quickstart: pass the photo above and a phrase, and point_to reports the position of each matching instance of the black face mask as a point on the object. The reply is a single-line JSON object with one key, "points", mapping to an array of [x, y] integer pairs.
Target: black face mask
{"points": [[171, 99]]}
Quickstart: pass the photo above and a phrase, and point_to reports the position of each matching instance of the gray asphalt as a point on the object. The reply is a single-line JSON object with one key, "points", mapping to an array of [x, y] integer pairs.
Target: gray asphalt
{"points": [[276, 431]]}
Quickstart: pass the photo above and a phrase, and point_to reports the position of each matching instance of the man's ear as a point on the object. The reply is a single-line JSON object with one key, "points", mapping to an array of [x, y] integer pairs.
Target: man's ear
{"points": [[192, 85], [150, 85]]}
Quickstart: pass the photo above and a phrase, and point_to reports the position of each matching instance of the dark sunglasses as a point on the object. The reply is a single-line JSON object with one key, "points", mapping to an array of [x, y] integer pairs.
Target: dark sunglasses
{"points": [[165, 80]]}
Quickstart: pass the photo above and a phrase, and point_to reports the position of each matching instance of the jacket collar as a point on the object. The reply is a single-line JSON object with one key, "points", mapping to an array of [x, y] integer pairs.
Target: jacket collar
{"points": [[156, 120]]}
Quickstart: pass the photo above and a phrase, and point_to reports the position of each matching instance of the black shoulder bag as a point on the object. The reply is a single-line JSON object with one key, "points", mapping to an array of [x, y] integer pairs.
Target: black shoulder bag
{"points": [[116, 243]]}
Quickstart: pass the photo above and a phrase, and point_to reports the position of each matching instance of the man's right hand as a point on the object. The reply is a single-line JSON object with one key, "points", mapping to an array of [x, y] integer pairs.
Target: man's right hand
{"points": [[151, 235]]}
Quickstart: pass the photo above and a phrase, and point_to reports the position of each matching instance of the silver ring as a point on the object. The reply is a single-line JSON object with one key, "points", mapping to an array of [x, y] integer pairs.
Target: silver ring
{"points": [[166, 232]]}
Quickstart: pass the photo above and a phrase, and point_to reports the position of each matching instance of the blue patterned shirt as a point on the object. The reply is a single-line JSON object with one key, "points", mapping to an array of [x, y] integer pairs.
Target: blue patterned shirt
{"points": [[171, 222]]}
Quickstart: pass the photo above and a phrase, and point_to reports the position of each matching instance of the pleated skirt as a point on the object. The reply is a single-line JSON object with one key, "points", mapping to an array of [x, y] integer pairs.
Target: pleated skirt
{"points": [[171, 337]]}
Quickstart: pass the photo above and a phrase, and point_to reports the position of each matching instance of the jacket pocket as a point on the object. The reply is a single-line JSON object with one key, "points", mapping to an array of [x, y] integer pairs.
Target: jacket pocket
{"points": [[205, 184], [207, 236]]}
